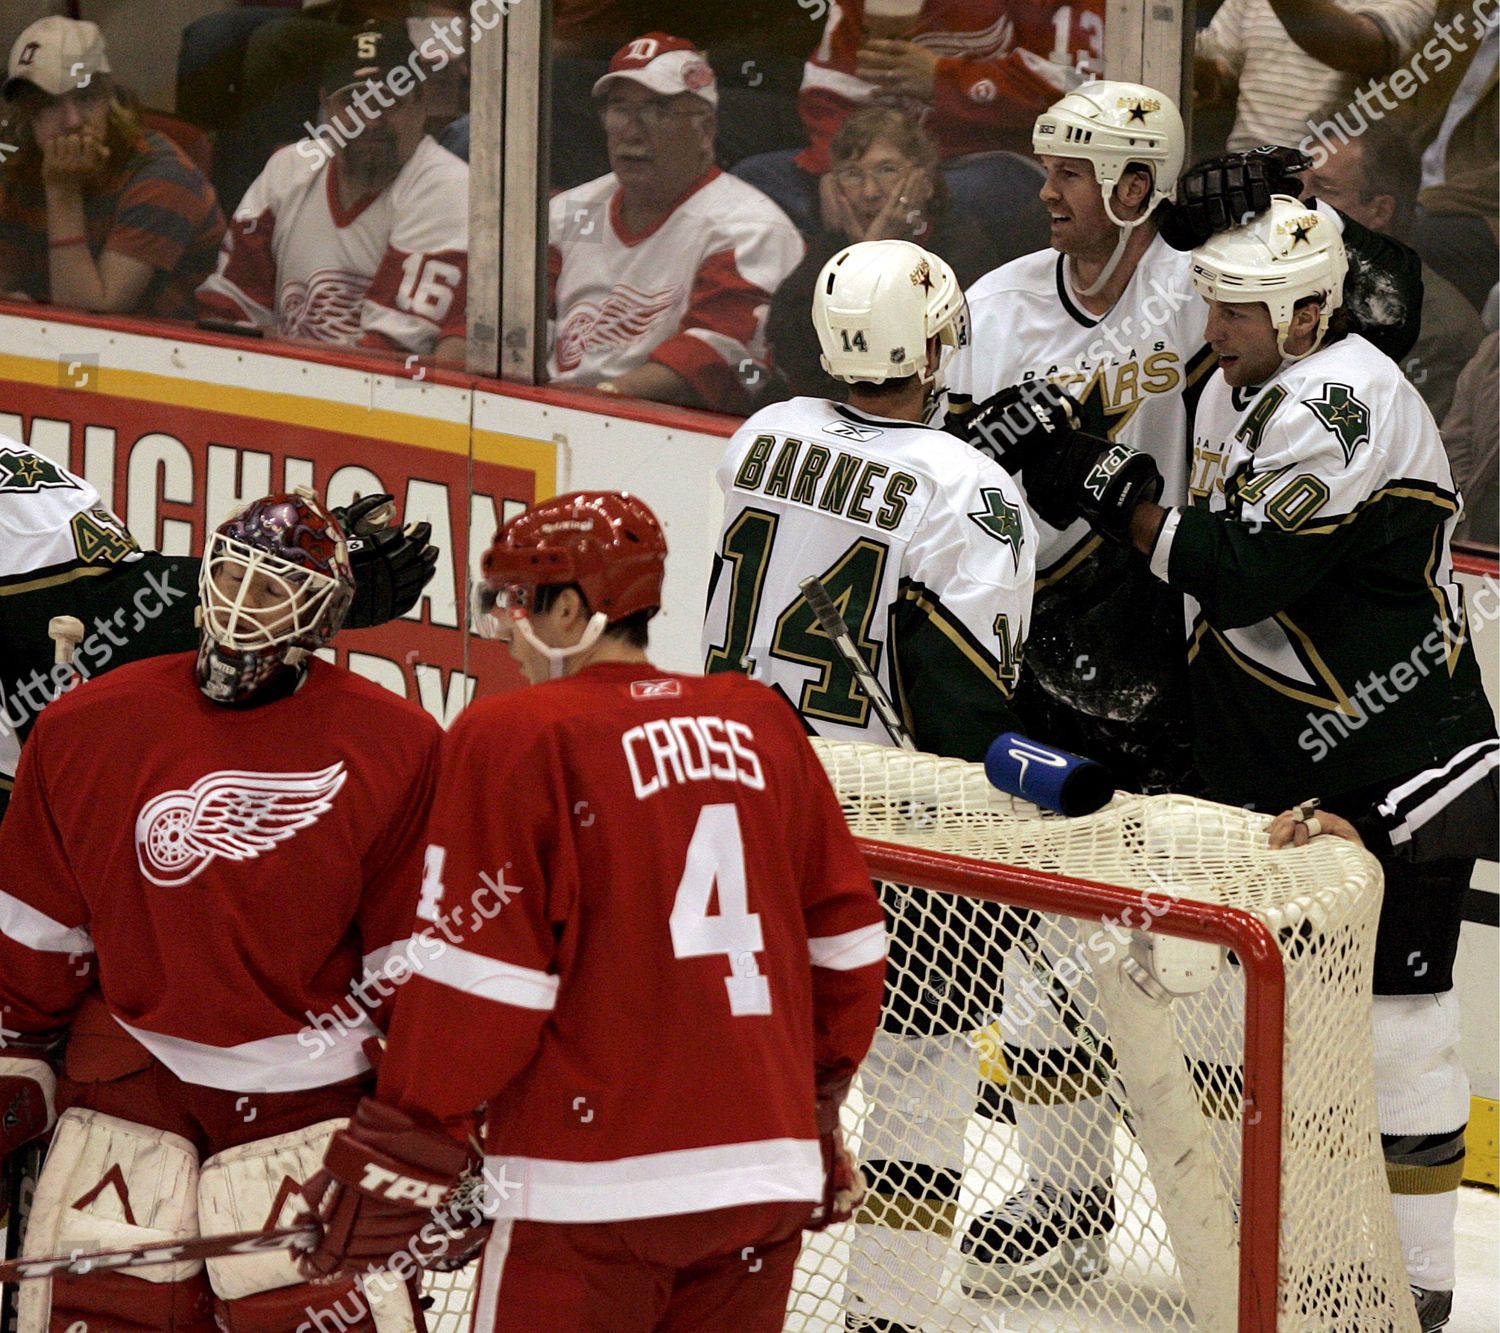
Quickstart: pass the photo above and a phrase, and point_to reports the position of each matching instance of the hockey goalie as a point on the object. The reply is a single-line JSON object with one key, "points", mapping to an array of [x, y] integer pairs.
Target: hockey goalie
{"points": [[209, 860]]}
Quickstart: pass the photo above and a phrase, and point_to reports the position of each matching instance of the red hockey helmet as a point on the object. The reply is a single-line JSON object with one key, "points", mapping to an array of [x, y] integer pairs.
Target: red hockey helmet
{"points": [[606, 542]]}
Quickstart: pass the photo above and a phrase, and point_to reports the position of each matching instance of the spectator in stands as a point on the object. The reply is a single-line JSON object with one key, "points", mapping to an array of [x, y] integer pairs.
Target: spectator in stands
{"points": [[358, 236], [974, 73], [1457, 222], [1374, 180], [1471, 435], [884, 184], [660, 273], [1287, 58], [96, 212]]}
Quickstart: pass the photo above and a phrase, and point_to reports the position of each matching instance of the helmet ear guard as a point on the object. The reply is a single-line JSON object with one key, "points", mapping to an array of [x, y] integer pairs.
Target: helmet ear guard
{"points": [[1289, 253]]}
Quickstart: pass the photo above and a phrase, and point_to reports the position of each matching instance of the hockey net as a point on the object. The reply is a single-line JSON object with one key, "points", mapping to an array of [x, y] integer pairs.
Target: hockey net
{"points": [[1145, 1012]]}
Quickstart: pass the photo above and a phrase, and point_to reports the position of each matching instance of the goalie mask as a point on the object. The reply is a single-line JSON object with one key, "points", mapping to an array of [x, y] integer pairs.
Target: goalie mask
{"points": [[1288, 253], [607, 543], [876, 305], [274, 586]]}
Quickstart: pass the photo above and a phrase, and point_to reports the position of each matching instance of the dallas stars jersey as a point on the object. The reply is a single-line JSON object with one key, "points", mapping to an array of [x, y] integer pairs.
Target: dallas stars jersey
{"points": [[924, 545], [1328, 641], [63, 553], [1103, 645]]}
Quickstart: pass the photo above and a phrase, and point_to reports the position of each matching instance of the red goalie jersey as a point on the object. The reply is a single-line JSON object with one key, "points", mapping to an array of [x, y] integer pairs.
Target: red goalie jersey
{"points": [[657, 932], [225, 874]]}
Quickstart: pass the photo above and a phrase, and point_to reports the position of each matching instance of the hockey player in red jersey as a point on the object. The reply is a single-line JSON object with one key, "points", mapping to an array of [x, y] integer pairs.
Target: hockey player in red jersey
{"points": [[678, 977], [227, 844]]}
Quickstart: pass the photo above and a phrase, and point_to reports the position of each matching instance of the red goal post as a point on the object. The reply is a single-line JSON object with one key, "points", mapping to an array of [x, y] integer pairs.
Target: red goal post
{"points": [[1209, 923]]}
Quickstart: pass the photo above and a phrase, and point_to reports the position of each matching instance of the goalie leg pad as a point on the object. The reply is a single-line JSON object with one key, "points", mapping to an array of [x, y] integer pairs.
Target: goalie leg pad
{"points": [[109, 1183], [259, 1185]]}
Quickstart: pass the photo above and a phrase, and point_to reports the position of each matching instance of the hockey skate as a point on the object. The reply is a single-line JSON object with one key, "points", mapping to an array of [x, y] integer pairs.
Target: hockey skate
{"points": [[1433, 1308], [1039, 1237]]}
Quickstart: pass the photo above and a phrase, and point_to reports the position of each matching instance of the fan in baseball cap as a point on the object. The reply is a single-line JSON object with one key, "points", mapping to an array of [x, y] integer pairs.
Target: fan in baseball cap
{"points": [[58, 55], [665, 64], [370, 53]]}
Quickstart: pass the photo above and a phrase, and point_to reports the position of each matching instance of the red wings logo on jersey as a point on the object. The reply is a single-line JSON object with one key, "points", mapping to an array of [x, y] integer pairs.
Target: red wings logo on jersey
{"points": [[326, 308], [624, 317], [234, 814]]}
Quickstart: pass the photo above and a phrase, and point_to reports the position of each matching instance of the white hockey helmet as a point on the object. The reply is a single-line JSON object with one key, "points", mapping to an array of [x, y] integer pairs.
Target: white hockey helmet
{"points": [[1289, 252], [876, 305], [1112, 124]]}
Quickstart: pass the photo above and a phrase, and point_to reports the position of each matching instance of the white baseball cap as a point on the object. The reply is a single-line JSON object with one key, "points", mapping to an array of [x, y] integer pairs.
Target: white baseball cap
{"points": [[664, 64], [59, 55]]}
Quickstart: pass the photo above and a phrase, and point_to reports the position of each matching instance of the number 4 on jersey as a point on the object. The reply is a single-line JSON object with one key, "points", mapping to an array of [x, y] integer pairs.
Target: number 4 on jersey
{"points": [[716, 857]]}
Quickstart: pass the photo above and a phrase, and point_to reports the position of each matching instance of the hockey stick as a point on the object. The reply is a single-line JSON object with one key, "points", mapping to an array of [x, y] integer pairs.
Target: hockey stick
{"points": [[81, 1262], [838, 634], [832, 622]]}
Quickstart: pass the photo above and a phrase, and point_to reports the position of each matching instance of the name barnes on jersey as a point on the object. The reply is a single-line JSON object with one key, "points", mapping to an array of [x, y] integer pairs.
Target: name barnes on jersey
{"points": [[827, 478]]}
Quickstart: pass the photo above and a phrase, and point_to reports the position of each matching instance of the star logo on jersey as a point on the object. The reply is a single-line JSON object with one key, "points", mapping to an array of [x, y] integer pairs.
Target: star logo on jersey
{"points": [[1097, 414], [1343, 414], [1002, 520], [235, 814], [28, 472]]}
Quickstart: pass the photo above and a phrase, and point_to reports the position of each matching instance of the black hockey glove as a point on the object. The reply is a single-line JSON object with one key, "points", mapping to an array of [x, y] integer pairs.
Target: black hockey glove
{"points": [[1225, 192], [1014, 424], [1094, 479], [391, 565]]}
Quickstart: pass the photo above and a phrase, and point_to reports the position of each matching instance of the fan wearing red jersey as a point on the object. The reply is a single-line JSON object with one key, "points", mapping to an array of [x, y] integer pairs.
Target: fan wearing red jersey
{"points": [[209, 859], [672, 966]]}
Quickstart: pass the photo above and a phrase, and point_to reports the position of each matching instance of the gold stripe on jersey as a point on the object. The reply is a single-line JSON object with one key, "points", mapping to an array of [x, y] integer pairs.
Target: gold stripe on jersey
{"points": [[1337, 699], [1091, 543], [57, 580], [1407, 490], [955, 632]]}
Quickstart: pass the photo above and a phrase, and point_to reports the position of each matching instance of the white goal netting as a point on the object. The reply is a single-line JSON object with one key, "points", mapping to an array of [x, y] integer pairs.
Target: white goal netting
{"points": [[1051, 1120]]}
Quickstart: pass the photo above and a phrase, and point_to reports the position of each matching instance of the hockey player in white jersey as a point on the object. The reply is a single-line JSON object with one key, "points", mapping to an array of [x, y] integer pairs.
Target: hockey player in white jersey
{"points": [[927, 548], [1103, 329], [1328, 643]]}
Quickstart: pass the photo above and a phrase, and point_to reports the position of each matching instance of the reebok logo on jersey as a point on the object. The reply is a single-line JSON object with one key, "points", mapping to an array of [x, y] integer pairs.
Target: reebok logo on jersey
{"points": [[852, 430], [233, 813], [1343, 414], [656, 689], [1001, 519]]}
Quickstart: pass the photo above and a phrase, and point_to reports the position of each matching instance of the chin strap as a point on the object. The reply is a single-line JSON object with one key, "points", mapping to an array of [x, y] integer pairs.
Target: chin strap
{"points": [[1126, 226], [557, 658]]}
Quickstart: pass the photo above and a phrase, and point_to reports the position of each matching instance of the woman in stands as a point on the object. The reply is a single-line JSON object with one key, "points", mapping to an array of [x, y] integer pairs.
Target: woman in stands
{"points": [[884, 185], [96, 211]]}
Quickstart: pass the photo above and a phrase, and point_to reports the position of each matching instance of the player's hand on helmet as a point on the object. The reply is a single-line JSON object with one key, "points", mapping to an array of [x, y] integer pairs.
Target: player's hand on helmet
{"points": [[28, 1091], [1100, 480], [382, 1178], [1227, 191], [391, 565]]}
